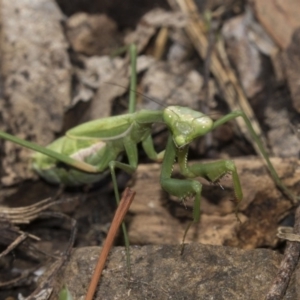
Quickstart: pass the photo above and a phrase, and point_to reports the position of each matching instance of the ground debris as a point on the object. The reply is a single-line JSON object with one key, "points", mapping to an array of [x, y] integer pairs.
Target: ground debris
{"points": [[93, 34], [288, 263], [36, 72], [159, 272], [31, 257]]}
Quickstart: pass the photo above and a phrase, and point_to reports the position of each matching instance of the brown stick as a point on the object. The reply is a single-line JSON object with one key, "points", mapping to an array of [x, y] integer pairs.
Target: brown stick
{"points": [[287, 266], [122, 209]]}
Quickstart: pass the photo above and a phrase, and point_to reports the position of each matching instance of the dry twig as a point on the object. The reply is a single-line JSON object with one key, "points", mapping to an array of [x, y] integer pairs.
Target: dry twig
{"points": [[288, 264], [122, 209]]}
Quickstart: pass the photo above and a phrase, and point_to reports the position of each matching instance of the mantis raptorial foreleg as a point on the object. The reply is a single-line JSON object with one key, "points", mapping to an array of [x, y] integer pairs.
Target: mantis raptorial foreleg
{"points": [[183, 188]]}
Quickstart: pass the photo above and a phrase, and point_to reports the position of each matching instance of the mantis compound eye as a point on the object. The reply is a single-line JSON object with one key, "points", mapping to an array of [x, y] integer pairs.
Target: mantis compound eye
{"points": [[202, 125]]}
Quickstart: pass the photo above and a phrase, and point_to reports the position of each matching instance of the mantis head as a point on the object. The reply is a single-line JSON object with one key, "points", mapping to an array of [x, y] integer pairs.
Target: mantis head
{"points": [[186, 124]]}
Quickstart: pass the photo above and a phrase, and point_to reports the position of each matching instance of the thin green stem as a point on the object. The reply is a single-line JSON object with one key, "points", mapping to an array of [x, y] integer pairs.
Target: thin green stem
{"points": [[132, 93]]}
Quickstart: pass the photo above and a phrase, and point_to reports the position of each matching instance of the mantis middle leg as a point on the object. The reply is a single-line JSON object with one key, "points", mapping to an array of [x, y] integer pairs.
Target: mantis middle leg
{"points": [[261, 148]]}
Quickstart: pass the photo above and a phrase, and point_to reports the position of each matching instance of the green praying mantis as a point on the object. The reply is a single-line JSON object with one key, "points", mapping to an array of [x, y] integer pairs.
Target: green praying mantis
{"points": [[94, 148]]}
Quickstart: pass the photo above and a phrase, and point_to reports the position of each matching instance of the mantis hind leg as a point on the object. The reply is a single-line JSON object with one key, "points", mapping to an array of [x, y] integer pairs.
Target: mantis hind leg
{"points": [[128, 169], [132, 155]]}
